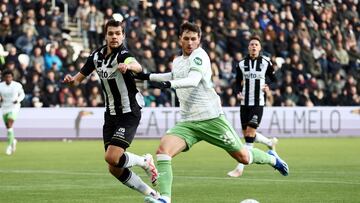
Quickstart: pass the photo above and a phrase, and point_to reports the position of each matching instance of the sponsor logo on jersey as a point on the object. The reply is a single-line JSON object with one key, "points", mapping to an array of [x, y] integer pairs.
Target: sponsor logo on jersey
{"points": [[120, 133], [197, 61]]}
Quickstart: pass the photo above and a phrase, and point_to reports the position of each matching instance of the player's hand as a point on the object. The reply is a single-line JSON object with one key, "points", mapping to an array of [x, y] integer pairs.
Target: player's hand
{"points": [[240, 96], [68, 79], [265, 88], [15, 102], [123, 67]]}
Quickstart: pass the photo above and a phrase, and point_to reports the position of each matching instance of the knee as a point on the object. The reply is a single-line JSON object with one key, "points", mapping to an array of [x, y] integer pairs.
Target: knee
{"points": [[243, 157], [249, 133], [112, 159]]}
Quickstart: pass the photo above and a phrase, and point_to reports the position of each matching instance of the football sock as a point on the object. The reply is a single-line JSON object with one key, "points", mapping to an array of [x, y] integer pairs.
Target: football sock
{"points": [[260, 157], [128, 160], [262, 139], [10, 135], [165, 174], [133, 181]]}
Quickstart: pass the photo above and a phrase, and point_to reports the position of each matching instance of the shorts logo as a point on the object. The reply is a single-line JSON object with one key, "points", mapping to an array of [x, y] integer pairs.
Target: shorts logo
{"points": [[227, 138], [120, 133], [254, 119], [197, 61]]}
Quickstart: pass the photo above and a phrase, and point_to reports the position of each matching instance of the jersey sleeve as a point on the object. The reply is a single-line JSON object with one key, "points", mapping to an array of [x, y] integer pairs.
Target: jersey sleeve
{"points": [[89, 66], [239, 79], [124, 56], [196, 62]]}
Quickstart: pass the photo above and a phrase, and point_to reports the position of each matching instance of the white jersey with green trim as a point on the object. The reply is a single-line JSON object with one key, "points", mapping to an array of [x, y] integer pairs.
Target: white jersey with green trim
{"points": [[10, 93], [201, 102]]}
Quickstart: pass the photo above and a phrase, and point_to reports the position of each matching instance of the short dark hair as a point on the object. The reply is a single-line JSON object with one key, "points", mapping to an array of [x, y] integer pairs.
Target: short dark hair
{"points": [[255, 37], [7, 72], [114, 23], [191, 27]]}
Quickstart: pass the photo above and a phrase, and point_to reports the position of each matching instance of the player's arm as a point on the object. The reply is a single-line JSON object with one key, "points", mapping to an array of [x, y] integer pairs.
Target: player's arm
{"points": [[165, 79], [130, 64], [88, 68], [21, 95], [74, 80]]}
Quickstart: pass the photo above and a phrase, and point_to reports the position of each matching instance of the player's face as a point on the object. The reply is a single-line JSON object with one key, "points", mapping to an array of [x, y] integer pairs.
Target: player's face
{"points": [[189, 41], [114, 37], [254, 48], [8, 78]]}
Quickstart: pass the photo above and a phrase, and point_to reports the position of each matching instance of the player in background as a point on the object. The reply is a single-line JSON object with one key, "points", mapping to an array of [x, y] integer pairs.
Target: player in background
{"points": [[11, 94], [115, 67], [251, 86], [202, 117]]}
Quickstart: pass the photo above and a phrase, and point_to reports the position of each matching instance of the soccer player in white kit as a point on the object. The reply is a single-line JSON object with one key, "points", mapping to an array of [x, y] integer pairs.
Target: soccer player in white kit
{"points": [[11, 94], [202, 118]]}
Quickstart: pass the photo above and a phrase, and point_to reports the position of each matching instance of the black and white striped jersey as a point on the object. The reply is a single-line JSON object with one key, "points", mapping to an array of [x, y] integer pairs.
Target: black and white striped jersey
{"points": [[250, 78], [120, 92]]}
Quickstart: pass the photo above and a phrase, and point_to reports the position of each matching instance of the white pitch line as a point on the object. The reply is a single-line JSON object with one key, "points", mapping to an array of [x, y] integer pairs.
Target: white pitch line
{"points": [[186, 177]]}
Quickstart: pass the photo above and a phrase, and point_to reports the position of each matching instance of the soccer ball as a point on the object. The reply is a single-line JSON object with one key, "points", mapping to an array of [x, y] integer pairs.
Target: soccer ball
{"points": [[249, 201]]}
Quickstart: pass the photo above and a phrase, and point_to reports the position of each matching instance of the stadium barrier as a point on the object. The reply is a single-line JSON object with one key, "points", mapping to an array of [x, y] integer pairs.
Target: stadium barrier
{"points": [[55, 123]]}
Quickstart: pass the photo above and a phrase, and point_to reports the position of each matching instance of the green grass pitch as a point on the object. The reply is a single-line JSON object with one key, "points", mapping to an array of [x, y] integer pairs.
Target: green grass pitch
{"points": [[321, 170]]}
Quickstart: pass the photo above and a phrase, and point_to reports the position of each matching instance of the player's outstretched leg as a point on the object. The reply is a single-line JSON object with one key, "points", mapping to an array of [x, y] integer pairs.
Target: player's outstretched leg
{"points": [[165, 180], [133, 181], [150, 169], [280, 164], [260, 157]]}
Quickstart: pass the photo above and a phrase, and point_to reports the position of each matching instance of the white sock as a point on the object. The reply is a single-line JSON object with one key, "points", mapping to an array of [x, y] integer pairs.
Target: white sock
{"points": [[249, 146], [134, 160], [167, 199], [10, 130], [273, 160], [240, 167], [135, 182], [163, 157], [262, 139]]}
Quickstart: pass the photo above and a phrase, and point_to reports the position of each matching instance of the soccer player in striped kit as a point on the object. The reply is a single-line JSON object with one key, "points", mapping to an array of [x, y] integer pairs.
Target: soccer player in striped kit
{"points": [[11, 94], [115, 67], [250, 85]]}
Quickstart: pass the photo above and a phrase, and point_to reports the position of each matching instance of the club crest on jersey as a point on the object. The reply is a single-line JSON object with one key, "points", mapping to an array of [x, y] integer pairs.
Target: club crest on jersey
{"points": [[123, 52], [197, 61]]}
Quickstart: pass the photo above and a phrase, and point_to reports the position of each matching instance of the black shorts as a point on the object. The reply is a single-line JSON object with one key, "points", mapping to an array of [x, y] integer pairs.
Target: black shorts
{"points": [[119, 130], [251, 116]]}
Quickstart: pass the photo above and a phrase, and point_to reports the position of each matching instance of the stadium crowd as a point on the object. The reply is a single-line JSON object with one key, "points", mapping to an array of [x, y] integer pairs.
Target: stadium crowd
{"points": [[314, 46]]}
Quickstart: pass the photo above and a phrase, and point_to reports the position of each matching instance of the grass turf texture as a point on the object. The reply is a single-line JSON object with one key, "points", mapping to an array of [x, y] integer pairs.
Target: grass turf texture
{"points": [[321, 170]]}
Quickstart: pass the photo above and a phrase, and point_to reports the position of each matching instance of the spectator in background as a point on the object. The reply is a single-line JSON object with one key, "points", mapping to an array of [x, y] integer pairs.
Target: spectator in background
{"points": [[95, 97], [50, 98], [94, 24], [43, 29], [5, 30], [25, 43], [148, 61], [51, 58]]}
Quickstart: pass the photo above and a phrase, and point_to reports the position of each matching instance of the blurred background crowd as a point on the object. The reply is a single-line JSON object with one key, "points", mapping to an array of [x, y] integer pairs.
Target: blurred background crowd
{"points": [[314, 46]]}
